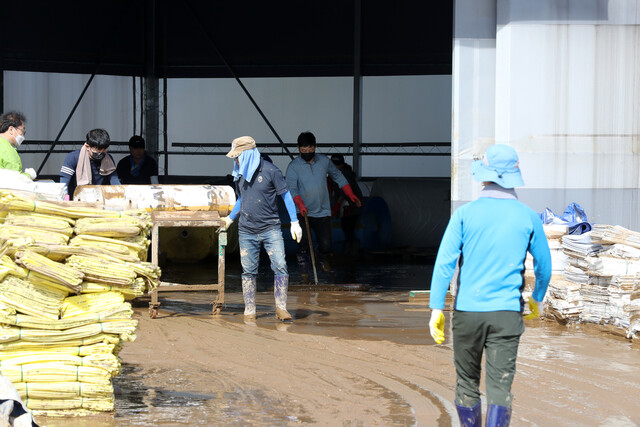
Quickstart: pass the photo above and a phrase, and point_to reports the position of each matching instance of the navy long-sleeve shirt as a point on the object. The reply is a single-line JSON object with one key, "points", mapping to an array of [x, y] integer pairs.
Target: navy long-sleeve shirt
{"points": [[68, 173]]}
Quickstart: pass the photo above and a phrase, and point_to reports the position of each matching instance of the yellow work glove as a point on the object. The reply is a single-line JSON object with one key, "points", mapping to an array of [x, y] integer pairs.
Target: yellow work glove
{"points": [[296, 231], [536, 308], [436, 326]]}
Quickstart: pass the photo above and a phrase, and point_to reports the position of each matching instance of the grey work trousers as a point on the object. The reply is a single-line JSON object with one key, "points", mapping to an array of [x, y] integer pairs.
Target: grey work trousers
{"points": [[497, 332]]}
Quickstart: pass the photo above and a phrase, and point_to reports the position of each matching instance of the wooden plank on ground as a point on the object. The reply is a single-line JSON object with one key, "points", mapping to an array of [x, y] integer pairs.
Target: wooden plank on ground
{"points": [[422, 297]]}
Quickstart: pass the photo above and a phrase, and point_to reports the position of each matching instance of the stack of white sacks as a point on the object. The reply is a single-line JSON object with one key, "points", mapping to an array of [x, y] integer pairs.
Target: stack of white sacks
{"points": [[633, 308], [621, 274], [563, 300], [590, 300], [596, 279]]}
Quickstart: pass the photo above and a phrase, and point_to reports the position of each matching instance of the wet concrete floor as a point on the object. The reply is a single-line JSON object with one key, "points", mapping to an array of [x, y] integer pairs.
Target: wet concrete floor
{"points": [[376, 272], [150, 393], [372, 314]]}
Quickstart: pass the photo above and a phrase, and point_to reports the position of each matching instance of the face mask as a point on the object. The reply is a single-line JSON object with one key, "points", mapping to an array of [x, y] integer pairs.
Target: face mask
{"points": [[307, 156], [19, 140], [98, 156]]}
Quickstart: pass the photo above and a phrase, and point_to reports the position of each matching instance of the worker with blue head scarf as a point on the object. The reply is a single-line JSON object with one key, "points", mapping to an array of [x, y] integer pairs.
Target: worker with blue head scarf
{"points": [[489, 239], [258, 183]]}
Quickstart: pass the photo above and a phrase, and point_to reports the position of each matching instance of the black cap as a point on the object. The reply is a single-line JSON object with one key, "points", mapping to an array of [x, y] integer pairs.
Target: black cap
{"points": [[337, 159], [136, 141]]}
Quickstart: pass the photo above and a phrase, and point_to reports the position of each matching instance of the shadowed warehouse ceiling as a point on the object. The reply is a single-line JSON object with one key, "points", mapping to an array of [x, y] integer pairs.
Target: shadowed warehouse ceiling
{"points": [[205, 38]]}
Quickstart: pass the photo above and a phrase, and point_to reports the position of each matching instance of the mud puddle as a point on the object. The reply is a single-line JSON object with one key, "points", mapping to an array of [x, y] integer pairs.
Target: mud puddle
{"points": [[350, 315], [166, 406]]}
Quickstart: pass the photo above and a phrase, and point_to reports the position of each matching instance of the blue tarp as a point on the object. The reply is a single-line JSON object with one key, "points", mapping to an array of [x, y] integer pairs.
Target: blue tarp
{"points": [[573, 216]]}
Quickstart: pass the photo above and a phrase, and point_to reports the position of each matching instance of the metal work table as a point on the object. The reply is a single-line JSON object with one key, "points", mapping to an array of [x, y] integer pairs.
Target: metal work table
{"points": [[188, 219]]}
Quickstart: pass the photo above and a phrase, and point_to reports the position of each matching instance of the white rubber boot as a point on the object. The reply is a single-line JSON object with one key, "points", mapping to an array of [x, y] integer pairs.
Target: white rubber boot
{"points": [[249, 296], [280, 288]]}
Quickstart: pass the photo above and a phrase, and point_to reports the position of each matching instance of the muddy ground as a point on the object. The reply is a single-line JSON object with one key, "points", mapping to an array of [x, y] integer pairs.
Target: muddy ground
{"points": [[349, 358]]}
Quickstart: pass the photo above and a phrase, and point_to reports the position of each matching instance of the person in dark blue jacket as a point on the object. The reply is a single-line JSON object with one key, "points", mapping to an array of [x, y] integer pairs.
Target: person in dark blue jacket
{"points": [[138, 167], [489, 238], [91, 164]]}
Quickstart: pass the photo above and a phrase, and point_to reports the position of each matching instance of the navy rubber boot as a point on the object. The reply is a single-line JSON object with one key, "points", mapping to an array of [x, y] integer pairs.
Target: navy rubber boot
{"points": [[470, 417], [498, 416], [304, 264]]}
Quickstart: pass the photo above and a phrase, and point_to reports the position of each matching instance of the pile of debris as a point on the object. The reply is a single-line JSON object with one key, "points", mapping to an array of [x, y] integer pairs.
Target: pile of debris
{"points": [[601, 279], [561, 298]]}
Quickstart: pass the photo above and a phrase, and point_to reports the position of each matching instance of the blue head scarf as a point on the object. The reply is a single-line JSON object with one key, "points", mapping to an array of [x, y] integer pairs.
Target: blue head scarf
{"points": [[249, 161]]}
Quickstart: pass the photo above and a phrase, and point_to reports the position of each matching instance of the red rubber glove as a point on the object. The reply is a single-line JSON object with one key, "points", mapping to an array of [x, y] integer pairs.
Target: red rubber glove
{"points": [[349, 193], [300, 204], [335, 209]]}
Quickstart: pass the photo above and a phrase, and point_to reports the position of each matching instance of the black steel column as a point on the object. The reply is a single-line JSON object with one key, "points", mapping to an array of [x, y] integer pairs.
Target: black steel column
{"points": [[141, 122], [165, 123], [357, 88], [1, 88], [135, 129], [2, 73], [151, 85]]}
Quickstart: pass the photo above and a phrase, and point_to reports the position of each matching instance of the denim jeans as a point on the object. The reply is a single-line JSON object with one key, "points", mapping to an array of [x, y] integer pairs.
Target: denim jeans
{"points": [[250, 251]]}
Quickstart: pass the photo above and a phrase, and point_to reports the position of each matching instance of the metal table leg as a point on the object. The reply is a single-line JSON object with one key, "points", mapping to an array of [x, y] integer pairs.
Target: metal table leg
{"points": [[154, 304]]}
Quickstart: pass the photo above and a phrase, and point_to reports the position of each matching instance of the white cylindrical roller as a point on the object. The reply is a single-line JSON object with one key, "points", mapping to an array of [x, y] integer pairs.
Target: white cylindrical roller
{"points": [[220, 198]]}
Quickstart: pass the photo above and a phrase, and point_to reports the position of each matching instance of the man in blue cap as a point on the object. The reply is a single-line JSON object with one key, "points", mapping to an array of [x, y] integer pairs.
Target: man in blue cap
{"points": [[490, 237]]}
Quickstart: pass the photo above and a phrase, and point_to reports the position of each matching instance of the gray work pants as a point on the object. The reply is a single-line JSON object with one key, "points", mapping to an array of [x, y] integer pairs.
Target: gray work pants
{"points": [[498, 334]]}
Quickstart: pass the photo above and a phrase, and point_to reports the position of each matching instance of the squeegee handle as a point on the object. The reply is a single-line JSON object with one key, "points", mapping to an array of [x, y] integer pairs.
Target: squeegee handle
{"points": [[313, 258]]}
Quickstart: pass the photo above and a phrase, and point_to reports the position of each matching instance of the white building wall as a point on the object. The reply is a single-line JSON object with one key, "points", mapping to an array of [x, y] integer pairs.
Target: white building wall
{"points": [[47, 99], [567, 96], [473, 92], [395, 109]]}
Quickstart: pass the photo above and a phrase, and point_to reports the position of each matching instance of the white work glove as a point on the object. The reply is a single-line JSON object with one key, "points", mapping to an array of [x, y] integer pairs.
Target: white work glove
{"points": [[296, 231], [436, 326], [227, 222], [31, 172], [536, 307]]}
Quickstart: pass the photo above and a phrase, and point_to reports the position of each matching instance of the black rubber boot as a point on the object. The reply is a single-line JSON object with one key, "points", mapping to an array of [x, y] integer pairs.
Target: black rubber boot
{"points": [[304, 264]]}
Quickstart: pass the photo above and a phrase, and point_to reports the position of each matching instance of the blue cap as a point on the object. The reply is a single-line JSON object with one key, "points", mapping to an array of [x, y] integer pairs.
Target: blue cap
{"points": [[499, 165]]}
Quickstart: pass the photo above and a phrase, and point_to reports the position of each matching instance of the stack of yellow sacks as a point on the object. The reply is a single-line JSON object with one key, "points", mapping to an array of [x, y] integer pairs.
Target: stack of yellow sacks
{"points": [[65, 275]]}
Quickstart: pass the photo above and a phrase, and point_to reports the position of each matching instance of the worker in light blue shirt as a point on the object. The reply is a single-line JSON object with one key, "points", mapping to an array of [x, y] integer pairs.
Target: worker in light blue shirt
{"points": [[307, 181], [489, 238]]}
